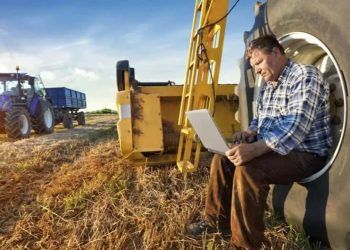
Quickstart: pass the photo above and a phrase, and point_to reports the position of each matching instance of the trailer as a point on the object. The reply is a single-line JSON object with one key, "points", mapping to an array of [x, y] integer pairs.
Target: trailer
{"points": [[66, 104]]}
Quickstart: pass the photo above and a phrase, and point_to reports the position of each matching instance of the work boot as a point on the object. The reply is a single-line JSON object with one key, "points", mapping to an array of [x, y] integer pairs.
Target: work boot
{"points": [[198, 228]]}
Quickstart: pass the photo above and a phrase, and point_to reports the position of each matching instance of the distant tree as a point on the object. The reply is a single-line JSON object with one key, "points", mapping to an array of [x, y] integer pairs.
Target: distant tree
{"points": [[103, 111], [106, 111]]}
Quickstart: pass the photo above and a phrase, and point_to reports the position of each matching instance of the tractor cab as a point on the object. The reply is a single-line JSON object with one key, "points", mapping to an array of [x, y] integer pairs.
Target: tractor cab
{"points": [[20, 88]]}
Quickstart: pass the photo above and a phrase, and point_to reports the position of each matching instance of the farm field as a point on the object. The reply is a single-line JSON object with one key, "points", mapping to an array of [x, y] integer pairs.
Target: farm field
{"points": [[73, 190]]}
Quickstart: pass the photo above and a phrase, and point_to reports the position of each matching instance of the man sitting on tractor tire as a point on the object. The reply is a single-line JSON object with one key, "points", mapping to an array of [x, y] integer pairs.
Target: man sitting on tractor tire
{"points": [[287, 141]]}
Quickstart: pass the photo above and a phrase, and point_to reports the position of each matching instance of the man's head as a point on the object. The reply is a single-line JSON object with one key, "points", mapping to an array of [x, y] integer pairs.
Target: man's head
{"points": [[267, 57]]}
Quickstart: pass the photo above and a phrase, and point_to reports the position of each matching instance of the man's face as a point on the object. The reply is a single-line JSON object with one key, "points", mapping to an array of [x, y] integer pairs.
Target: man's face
{"points": [[269, 66]]}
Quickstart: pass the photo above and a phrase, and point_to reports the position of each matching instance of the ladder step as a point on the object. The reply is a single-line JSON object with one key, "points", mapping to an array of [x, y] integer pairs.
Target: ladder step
{"points": [[191, 65], [199, 6]]}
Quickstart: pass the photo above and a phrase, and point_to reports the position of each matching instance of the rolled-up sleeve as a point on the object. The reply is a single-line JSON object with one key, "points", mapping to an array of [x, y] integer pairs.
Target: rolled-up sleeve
{"points": [[253, 126]]}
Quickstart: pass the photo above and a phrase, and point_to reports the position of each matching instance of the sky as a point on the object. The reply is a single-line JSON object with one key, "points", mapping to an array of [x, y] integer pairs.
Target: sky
{"points": [[76, 43]]}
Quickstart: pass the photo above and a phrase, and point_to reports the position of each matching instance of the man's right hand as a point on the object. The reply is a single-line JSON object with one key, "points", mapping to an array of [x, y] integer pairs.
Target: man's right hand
{"points": [[244, 137]]}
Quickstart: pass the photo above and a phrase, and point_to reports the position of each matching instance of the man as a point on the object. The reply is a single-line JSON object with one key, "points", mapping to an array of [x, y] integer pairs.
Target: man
{"points": [[287, 140]]}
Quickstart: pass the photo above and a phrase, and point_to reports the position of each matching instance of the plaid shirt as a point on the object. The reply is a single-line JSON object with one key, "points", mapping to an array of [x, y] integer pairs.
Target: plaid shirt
{"points": [[294, 114]]}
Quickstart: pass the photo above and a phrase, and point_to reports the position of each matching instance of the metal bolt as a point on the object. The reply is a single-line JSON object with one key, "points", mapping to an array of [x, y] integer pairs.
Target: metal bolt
{"points": [[332, 87], [335, 120], [339, 102]]}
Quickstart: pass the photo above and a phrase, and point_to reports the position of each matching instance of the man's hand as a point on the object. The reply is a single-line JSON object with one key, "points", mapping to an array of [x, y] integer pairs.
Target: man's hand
{"points": [[242, 153], [244, 137]]}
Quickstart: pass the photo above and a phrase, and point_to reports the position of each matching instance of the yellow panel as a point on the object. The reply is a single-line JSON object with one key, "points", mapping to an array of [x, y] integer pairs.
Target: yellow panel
{"points": [[175, 90], [147, 123], [125, 136], [123, 97], [124, 123]]}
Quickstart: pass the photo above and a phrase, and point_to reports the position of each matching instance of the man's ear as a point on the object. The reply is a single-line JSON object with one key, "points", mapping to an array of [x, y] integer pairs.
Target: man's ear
{"points": [[276, 51]]}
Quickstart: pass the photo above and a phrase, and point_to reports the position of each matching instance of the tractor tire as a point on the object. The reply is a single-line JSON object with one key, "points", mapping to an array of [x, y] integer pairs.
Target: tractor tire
{"points": [[67, 120], [43, 122], [2, 122], [313, 32], [81, 118], [122, 67], [17, 123]]}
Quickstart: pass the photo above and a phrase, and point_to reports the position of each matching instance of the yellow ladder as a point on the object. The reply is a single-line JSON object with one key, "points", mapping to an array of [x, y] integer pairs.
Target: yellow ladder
{"points": [[202, 74]]}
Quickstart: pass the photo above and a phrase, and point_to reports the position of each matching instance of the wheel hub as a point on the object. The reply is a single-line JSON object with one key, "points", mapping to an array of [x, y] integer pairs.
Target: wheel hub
{"points": [[307, 49], [48, 118], [23, 124]]}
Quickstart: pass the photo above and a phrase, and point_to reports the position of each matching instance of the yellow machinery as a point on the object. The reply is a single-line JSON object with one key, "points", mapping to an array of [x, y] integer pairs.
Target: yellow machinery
{"points": [[152, 125]]}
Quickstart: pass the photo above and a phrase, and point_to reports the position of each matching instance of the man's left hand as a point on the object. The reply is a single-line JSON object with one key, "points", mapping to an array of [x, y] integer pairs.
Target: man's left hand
{"points": [[242, 153]]}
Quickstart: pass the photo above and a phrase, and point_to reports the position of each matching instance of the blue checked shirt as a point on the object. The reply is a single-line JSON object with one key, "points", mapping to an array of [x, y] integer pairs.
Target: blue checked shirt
{"points": [[294, 114]]}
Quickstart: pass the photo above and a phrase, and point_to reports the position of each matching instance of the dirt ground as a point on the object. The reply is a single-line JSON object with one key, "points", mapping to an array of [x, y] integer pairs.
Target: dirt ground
{"points": [[36, 143], [93, 123], [74, 190], [27, 165]]}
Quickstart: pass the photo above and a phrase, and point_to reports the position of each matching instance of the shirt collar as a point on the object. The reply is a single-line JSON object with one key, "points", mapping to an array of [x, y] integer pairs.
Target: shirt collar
{"points": [[282, 76]]}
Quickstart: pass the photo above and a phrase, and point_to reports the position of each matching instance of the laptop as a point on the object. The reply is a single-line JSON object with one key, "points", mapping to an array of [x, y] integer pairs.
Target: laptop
{"points": [[205, 127]]}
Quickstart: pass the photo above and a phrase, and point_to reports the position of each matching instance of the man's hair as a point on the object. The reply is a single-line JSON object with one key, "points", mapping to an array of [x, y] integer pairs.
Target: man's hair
{"points": [[265, 43]]}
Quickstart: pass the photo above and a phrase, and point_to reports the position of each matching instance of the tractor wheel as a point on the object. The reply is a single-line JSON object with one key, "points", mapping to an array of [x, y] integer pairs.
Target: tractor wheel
{"points": [[2, 122], [17, 123], [43, 122], [122, 67], [67, 120], [313, 32], [81, 118]]}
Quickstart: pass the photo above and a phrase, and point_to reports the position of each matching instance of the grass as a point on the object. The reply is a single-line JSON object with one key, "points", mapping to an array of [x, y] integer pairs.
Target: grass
{"points": [[83, 195]]}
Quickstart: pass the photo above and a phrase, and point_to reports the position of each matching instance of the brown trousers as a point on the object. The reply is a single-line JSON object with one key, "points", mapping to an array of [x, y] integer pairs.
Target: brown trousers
{"points": [[237, 195]]}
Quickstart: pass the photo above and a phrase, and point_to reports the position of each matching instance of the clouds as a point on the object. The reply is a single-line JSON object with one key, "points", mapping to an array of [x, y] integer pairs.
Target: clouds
{"points": [[73, 64], [76, 44], [85, 74], [48, 75]]}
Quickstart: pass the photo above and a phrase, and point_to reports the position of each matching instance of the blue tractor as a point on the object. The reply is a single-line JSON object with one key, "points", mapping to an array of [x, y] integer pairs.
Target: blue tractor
{"points": [[24, 105]]}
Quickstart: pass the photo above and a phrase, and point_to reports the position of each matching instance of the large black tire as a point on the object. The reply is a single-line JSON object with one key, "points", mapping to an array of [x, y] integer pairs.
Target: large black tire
{"points": [[81, 118], [17, 123], [321, 206], [121, 68], [67, 120], [2, 122], [43, 122]]}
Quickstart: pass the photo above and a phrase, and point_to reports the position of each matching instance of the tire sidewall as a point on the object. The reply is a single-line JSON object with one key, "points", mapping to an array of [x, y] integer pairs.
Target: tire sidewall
{"points": [[330, 28], [81, 118], [39, 120], [25, 113], [12, 123], [67, 120], [328, 21], [46, 106], [282, 17]]}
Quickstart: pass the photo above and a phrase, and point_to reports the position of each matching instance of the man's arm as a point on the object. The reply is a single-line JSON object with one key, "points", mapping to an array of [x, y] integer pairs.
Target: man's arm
{"points": [[247, 136], [304, 99]]}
